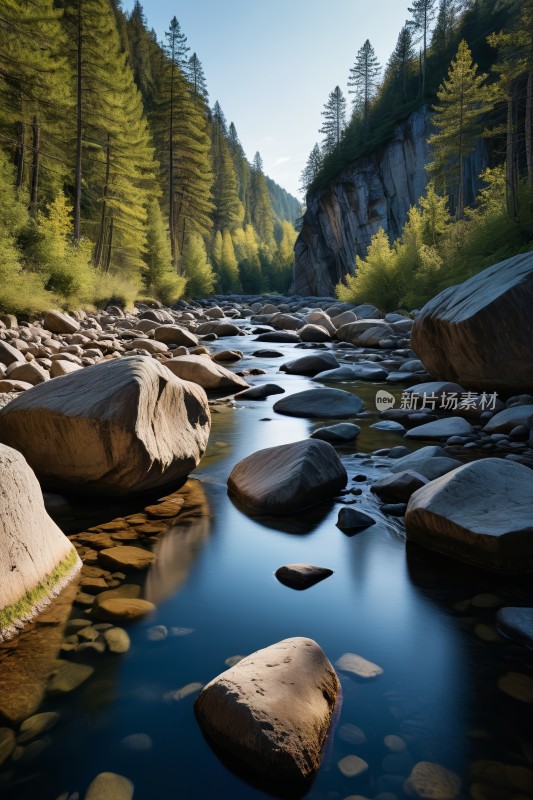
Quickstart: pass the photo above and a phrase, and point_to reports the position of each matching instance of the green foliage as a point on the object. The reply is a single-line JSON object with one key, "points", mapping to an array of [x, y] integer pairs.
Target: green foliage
{"points": [[364, 78], [161, 278], [196, 268]]}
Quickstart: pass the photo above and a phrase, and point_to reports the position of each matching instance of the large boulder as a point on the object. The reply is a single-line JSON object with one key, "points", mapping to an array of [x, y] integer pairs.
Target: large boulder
{"points": [[206, 373], [481, 513], [288, 478], [480, 333], [273, 709], [121, 426], [36, 558]]}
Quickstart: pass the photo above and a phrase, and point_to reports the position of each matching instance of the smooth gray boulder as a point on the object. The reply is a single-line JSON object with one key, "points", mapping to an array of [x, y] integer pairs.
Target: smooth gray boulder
{"points": [[273, 710], [288, 478], [337, 434], [481, 513], [351, 520], [480, 333], [344, 373], [311, 364], [321, 403], [36, 558], [441, 429], [399, 486], [175, 334], [120, 426], [430, 468], [260, 392], [205, 373], [364, 332], [517, 624], [510, 418]]}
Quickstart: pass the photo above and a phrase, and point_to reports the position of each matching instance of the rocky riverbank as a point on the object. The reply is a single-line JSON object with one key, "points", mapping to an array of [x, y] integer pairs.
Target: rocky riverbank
{"points": [[458, 482]]}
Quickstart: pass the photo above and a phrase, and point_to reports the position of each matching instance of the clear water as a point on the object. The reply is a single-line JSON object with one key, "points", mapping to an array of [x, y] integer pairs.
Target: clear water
{"points": [[392, 604]]}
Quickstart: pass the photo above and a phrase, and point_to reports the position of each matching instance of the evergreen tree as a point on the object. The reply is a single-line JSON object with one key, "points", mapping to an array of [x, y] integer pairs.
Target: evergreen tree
{"points": [[161, 278], [144, 54], [228, 211], [196, 268], [445, 25], [242, 170], [463, 100], [364, 77], [34, 94], [260, 203], [180, 125], [334, 114], [196, 76], [423, 14], [311, 169], [400, 64]]}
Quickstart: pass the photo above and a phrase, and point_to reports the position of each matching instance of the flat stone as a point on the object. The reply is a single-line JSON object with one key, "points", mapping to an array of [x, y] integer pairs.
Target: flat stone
{"points": [[399, 486], [429, 781], [281, 337], [273, 710], [518, 686], [117, 640], [479, 513], [441, 429], [350, 520], [288, 478], [110, 786], [395, 743], [124, 557], [166, 509], [260, 391], [359, 666], [184, 691], [352, 765], [388, 425], [517, 624], [123, 609], [8, 742], [351, 733], [335, 434], [321, 403], [430, 468], [68, 677], [57, 322], [301, 576], [310, 365]]}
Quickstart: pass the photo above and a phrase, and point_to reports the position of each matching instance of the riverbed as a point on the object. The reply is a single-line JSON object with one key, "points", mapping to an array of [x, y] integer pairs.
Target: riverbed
{"points": [[427, 621]]}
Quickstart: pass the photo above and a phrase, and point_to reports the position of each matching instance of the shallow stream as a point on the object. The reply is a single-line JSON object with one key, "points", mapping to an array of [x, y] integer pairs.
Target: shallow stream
{"points": [[418, 616]]}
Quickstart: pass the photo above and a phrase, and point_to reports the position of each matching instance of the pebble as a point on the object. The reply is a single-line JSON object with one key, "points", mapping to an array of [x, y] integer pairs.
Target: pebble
{"points": [[184, 691], [517, 685], [110, 786], [395, 744], [8, 743], [117, 640], [69, 676], [138, 742], [351, 766], [157, 633], [232, 660], [359, 666], [37, 724], [351, 733], [429, 781]]}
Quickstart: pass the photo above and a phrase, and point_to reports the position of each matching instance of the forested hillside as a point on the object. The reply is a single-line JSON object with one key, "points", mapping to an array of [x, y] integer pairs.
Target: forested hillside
{"points": [[118, 178], [469, 63]]}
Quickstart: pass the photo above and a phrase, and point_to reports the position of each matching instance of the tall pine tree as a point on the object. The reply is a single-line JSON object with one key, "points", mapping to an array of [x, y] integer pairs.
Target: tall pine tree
{"points": [[363, 79]]}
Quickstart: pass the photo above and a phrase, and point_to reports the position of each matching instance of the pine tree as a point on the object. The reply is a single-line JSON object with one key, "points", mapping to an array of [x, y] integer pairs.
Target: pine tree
{"points": [[228, 211], [161, 278], [334, 114], [423, 14], [463, 100], [196, 267], [400, 64], [144, 53], [445, 25], [311, 169], [242, 170], [35, 95], [260, 203], [196, 76], [364, 77], [181, 131]]}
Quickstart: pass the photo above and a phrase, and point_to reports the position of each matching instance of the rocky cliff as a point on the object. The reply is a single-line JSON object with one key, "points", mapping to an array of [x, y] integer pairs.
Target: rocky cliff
{"points": [[374, 192]]}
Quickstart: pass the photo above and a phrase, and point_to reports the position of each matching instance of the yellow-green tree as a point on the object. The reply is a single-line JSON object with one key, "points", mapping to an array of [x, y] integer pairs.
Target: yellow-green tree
{"points": [[463, 99]]}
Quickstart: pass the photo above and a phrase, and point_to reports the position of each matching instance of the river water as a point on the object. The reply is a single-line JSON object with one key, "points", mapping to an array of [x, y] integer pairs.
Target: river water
{"points": [[418, 616]]}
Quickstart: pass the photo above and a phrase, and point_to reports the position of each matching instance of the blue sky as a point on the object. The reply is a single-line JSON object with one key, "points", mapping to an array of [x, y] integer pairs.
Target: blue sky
{"points": [[272, 65]]}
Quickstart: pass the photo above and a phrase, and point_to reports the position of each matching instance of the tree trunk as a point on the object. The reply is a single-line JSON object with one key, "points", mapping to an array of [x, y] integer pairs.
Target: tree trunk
{"points": [[34, 165], [77, 180], [21, 153], [171, 222], [528, 123], [510, 190], [99, 249], [109, 245]]}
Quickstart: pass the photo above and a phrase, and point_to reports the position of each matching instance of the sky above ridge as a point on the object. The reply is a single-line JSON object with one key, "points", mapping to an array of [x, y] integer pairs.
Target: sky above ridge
{"points": [[271, 65]]}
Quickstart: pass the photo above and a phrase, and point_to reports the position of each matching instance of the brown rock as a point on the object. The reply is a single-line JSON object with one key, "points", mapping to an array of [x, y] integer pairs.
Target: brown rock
{"points": [[57, 322], [117, 609], [129, 559], [205, 372], [288, 478], [273, 709], [116, 427]]}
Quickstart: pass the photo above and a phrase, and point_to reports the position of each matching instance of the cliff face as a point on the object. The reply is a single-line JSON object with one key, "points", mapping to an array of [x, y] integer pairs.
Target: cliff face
{"points": [[374, 192]]}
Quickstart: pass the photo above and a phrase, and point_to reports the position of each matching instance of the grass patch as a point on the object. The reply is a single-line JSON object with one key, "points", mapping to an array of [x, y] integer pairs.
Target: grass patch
{"points": [[24, 607]]}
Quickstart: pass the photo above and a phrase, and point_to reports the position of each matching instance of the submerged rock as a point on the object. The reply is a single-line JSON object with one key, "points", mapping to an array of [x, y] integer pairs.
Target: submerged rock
{"points": [[288, 478], [517, 624], [109, 786], [116, 427], [273, 709], [480, 513]]}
